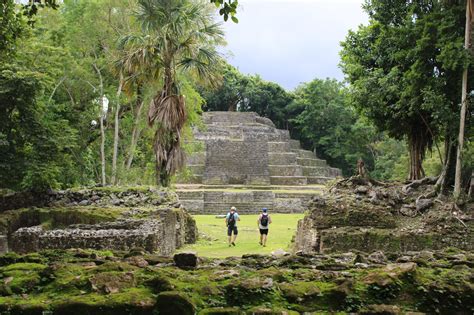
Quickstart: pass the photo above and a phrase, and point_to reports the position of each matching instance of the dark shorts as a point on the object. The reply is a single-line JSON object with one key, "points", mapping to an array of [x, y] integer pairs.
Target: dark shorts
{"points": [[263, 231], [231, 229]]}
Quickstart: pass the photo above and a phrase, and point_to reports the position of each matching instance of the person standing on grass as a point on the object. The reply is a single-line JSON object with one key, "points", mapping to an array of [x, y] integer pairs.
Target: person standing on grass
{"points": [[263, 222], [231, 221]]}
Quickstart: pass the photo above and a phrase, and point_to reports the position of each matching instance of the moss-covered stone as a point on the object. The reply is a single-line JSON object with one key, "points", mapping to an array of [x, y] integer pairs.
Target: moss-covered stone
{"points": [[160, 283], [21, 277], [67, 284], [221, 311], [248, 291], [173, 302], [270, 311]]}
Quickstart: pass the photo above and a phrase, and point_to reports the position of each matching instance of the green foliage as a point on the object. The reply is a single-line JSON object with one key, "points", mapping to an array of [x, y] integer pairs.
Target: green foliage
{"points": [[238, 92], [405, 70], [229, 93], [35, 140], [227, 8], [11, 27], [324, 121]]}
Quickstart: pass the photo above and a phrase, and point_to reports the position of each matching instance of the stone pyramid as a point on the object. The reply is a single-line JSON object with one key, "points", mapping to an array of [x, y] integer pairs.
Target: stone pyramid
{"points": [[242, 148], [242, 160]]}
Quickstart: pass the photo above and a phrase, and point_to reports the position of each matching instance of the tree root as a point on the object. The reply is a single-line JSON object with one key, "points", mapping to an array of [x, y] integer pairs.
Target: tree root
{"points": [[419, 182]]}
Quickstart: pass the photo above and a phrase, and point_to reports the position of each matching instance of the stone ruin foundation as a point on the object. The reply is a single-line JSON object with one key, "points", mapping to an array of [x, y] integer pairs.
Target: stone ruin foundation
{"points": [[155, 223]]}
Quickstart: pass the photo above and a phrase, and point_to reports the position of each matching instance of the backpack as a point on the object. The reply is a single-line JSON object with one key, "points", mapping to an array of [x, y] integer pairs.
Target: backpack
{"points": [[231, 220], [264, 220]]}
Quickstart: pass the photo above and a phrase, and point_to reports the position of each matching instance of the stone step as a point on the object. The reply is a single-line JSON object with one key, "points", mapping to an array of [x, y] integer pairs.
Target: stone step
{"points": [[285, 170], [319, 179], [282, 158], [306, 197], [274, 188], [190, 194], [193, 205], [242, 207], [306, 154], [316, 171], [238, 196], [295, 144], [289, 205], [288, 180], [280, 146], [310, 162], [196, 158]]}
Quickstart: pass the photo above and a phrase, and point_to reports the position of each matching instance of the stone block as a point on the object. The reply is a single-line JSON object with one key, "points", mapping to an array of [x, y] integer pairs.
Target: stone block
{"points": [[285, 170], [306, 154], [295, 144], [193, 205], [315, 171], [310, 162], [190, 194], [279, 146], [170, 230], [289, 205], [186, 260], [288, 180], [282, 158], [318, 180], [236, 162]]}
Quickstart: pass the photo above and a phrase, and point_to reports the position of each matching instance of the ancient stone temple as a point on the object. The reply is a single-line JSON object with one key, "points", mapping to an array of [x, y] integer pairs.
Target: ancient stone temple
{"points": [[241, 159]]}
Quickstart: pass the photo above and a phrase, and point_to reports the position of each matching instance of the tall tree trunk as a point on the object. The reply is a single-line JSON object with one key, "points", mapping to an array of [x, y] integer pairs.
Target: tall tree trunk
{"points": [[467, 44], [416, 143], [446, 179], [102, 129], [102, 147], [116, 132], [135, 130], [162, 176]]}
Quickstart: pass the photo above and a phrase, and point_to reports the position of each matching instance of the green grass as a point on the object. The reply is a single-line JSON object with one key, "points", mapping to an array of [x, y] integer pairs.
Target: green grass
{"points": [[213, 235]]}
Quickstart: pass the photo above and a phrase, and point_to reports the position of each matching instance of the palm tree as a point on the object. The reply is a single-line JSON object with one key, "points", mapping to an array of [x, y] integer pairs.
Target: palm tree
{"points": [[177, 36]]}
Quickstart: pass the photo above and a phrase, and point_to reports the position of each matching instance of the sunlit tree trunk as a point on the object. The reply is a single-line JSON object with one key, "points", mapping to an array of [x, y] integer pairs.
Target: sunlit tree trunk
{"points": [[135, 129], [102, 129], [116, 132], [467, 44]]}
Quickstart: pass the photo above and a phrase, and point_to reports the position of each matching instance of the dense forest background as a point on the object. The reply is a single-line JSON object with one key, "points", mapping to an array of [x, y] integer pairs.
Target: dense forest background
{"points": [[60, 68]]}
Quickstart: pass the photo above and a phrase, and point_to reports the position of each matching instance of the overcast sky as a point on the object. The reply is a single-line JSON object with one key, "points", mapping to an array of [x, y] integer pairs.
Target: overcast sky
{"points": [[291, 41]]}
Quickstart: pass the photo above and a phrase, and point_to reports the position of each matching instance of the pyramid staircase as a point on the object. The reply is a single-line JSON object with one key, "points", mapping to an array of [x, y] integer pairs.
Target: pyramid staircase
{"points": [[243, 160]]}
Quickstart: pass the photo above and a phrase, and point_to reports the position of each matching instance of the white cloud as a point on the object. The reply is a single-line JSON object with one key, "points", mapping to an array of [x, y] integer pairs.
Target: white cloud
{"points": [[291, 41]]}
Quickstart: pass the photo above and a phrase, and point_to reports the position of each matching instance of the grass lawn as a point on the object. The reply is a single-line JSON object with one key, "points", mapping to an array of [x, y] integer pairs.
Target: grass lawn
{"points": [[213, 235]]}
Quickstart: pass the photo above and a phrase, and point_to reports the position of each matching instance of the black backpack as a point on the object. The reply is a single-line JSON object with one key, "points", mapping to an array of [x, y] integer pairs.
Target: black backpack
{"points": [[264, 220], [231, 220]]}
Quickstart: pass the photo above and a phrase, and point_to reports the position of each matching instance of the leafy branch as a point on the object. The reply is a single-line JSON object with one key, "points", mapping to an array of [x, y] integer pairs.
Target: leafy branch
{"points": [[227, 8]]}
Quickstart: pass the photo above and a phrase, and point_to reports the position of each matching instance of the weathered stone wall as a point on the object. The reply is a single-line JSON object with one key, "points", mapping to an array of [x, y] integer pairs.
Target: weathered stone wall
{"points": [[369, 217], [118, 219], [247, 201], [169, 230], [236, 162], [129, 197]]}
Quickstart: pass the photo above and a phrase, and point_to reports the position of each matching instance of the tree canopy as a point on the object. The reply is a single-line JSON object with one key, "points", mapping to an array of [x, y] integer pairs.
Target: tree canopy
{"points": [[404, 70]]}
